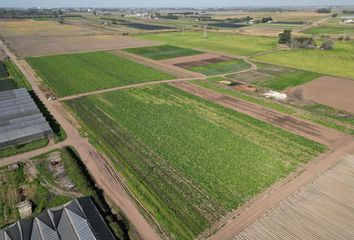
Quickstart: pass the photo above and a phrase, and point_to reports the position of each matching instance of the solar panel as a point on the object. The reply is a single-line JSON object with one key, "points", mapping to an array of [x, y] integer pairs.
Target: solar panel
{"points": [[20, 119]]}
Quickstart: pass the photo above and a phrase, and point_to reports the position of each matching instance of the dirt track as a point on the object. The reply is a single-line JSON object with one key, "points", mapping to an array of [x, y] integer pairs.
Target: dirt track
{"points": [[103, 173], [314, 132]]}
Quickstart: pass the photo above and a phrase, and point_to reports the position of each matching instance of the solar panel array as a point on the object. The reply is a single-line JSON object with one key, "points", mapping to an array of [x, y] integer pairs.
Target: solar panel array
{"points": [[20, 119]]}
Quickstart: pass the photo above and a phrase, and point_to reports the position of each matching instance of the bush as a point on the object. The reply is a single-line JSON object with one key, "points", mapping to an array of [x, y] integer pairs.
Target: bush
{"points": [[303, 42], [327, 44], [335, 15]]}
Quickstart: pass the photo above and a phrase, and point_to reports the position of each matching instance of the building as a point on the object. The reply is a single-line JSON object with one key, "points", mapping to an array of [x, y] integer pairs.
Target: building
{"points": [[20, 119], [347, 20], [76, 220]]}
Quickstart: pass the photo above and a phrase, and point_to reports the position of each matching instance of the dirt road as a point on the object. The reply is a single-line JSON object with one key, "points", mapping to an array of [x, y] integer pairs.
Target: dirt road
{"points": [[314, 132], [125, 87], [103, 173]]}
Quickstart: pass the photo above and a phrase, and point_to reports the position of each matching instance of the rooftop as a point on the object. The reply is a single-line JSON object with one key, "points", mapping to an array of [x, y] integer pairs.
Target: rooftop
{"points": [[20, 119], [76, 220]]}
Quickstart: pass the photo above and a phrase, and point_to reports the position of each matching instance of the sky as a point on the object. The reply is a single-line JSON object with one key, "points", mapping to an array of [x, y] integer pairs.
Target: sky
{"points": [[169, 3]]}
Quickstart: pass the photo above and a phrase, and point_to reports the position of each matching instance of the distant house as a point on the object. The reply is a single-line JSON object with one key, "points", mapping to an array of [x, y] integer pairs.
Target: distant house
{"points": [[76, 220], [347, 20]]}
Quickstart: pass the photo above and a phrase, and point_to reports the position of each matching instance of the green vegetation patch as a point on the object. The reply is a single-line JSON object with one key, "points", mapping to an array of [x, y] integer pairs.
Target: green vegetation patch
{"points": [[222, 67], [6, 152], [316, 113], [337, 62], [289, 79], [162, 52], [238, 45], [189, 161], [330, 30], [83, 72]]}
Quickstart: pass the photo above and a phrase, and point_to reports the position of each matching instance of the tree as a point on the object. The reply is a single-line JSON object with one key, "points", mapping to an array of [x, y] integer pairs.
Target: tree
{"points": [[285, 37], [335, 15], [61, 20], [327, 44], [267, 19], [324, 10]]}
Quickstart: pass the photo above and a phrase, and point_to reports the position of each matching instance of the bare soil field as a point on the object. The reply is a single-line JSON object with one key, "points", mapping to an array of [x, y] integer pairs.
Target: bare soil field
{"points": [[29, 38], [21, 28], [314, 132], [322, 209], [332, 91], [308, 16], [42, 46]]}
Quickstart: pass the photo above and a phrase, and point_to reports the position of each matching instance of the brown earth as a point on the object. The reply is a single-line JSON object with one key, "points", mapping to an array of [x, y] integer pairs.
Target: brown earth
{"points": [[332, 91], [309, 130], [29, 38], [322, 209], [32, 46]]}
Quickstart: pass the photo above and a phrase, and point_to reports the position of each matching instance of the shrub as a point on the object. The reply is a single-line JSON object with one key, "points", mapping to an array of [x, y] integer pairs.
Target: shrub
{"points": [[303, 42], [327, 44]]}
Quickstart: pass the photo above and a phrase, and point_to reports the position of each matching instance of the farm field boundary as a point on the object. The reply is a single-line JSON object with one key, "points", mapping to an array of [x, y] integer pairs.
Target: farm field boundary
{"points": [[84, 72], [147, 152], [317, 133], [158, 65]]}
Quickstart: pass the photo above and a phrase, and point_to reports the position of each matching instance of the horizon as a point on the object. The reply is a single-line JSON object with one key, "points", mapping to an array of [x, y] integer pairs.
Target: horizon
{"points": [[169, 4]]}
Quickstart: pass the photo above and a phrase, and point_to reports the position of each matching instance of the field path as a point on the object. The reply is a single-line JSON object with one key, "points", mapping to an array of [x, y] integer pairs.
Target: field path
{"points": [[309, 130], [314, 24], [125, 87], [101, 170], [159, 65]]}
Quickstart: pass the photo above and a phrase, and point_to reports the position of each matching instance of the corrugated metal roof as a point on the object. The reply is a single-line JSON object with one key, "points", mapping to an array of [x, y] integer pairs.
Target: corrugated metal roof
{"points": [[20, 119], [72, 221]]}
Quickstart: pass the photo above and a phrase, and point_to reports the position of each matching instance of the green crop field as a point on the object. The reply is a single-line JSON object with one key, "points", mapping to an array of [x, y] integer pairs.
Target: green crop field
{"points": [[337, 62], [331, 26], [289, 79], [319, 114], [222, 67], [330, 30], [189, 161], [162, 52], [83, 72], [238, 45]]}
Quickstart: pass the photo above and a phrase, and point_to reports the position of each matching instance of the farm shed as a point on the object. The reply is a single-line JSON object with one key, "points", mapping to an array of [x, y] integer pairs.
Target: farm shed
{"points": [[20, 119]]}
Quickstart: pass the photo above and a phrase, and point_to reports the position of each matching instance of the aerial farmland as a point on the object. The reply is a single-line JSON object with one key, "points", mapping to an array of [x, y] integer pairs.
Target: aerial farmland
{"points": [[182, 124]]}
